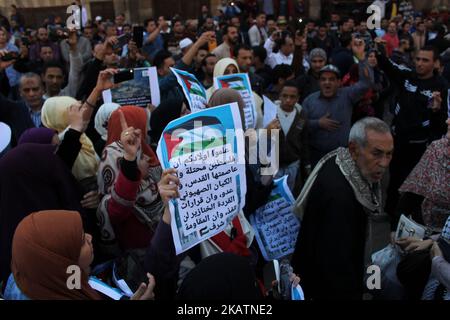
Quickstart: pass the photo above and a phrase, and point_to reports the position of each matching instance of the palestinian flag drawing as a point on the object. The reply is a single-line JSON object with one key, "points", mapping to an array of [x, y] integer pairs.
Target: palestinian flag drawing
{"points": [[192, 85], [235, 83], [191, 138]]}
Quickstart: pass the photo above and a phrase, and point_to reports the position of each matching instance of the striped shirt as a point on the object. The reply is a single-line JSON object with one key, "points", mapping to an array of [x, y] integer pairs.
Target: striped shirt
{"points": [[35, 117]]}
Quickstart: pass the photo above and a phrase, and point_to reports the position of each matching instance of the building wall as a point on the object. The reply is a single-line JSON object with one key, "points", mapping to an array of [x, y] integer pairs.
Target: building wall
{"points": [[138, 10]]}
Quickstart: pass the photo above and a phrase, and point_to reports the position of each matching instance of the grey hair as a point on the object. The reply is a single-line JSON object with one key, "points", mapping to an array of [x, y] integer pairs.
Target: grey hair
{"points": [[29, 75], [358, 133]]}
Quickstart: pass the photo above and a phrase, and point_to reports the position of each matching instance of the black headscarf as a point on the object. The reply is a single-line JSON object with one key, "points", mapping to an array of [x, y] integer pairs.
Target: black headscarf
{"points": [[167, 111], [32, 178], [223, 276]]}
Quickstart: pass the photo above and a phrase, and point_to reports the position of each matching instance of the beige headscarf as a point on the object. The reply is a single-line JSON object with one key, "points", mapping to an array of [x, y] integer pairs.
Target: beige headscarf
{"points": [[219, 70], [55, 115]]}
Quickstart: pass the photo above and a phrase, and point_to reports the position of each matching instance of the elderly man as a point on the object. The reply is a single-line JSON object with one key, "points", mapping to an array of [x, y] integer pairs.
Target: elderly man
{"points": [[340, 202]]}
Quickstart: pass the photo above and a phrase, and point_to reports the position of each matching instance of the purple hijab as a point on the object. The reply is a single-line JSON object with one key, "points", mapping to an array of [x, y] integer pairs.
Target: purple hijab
{"points": [[37, 135], [33, 178]]}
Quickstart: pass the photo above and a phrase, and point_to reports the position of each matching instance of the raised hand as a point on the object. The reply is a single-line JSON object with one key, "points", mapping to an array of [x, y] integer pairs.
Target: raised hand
{"points": [[131, 139], [73, 39], [105, 79], [168, 186], [5, 64], [78, 118], [206, 37], [359, 48], [437, 101]]}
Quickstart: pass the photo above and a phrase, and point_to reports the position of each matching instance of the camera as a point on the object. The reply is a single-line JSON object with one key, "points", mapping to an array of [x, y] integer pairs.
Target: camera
{"points": [[10, 56], [122, 40]]}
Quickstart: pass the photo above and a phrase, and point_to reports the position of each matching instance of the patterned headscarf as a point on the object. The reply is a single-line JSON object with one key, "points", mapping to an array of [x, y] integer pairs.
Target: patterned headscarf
{"points": [[430, 179]]}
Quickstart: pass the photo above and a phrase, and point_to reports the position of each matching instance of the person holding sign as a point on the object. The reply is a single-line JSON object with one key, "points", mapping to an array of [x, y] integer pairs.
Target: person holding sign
{"points": [[294, 148], [127, 177]]}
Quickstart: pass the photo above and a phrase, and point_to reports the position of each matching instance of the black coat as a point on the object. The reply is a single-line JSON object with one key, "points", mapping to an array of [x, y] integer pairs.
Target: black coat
{"points": [[329, 254], [16, 115]]}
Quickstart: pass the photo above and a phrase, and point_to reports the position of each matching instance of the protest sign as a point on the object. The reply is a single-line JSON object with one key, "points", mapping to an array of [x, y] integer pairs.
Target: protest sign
{"points": [[193, 90], [140, 91], [209, 158], [276, 226], [241, 83]]}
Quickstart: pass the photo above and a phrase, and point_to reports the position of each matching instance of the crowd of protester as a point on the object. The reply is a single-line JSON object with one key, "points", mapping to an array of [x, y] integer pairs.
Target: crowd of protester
{"points": [[355, 106]]}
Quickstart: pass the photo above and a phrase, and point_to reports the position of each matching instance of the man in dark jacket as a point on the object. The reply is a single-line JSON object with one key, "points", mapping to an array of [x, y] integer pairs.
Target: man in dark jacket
{"points": [[309, 83], [340, 199], [22, 115], [419, 116]]}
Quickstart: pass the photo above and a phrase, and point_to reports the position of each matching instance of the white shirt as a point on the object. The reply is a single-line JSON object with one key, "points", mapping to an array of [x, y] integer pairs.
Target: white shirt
{"points": [[286, 119], [279, 58]]}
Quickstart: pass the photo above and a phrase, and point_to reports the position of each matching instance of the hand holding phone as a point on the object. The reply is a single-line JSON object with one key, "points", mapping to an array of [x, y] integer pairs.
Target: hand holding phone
{"points": [[123, 75], [121, 41], [9, 56]]}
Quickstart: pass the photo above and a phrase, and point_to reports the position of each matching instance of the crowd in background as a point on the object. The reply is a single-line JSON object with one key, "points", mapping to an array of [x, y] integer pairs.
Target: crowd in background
{"points": [[79, 175]]}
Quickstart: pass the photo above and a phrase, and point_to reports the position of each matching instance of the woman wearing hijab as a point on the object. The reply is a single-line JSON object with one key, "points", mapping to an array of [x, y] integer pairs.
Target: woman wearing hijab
{"points": [[55, 115], [46, 246], [128, 177], [39, 135], [32, 178], [169, 110], [35, 177], [426, 191], [101, 124], [425, 197], [227, 66]]}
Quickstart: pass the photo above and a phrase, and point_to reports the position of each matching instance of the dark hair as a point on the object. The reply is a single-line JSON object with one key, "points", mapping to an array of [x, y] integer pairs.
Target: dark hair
{"points": [[147, 21], [209, 55], [291, 83], [174, 21], [432, 49], [160, 57], [346, 39], [260, 52], [403, 37], [282, 40], [241, 47], [281, 71], [226, 27], [46, 45], [260, 14], [53, 64]]}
